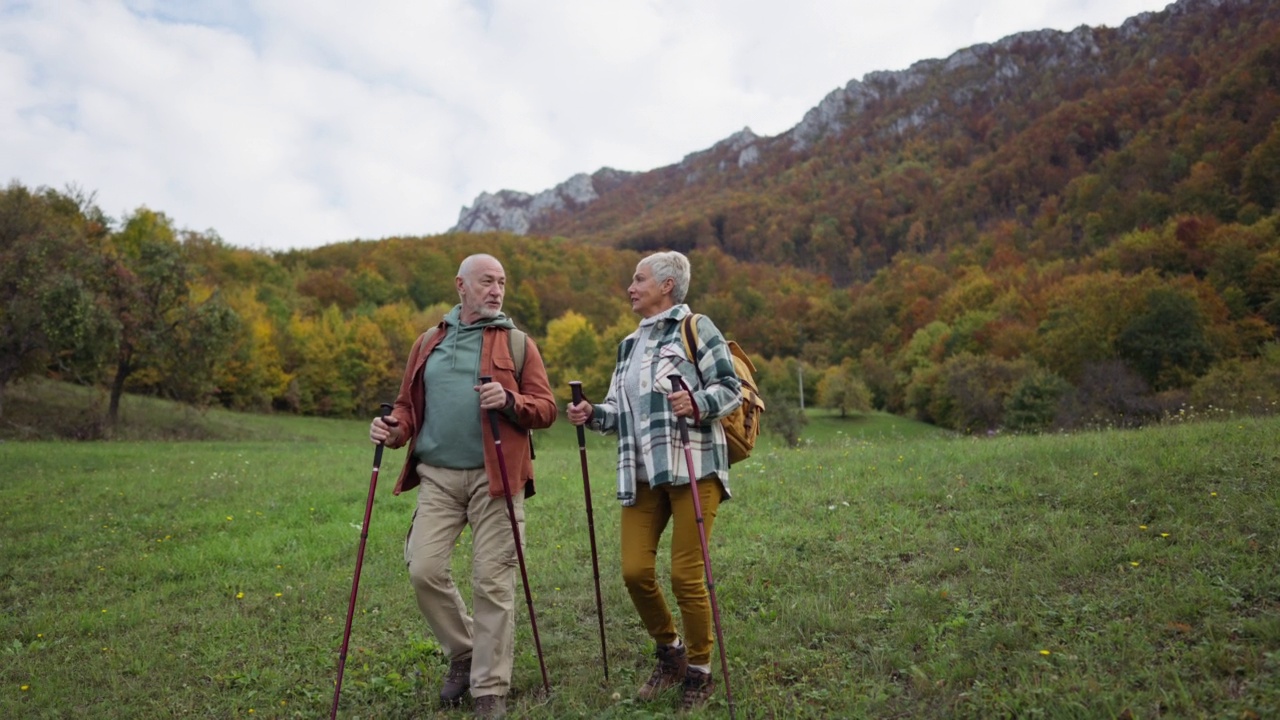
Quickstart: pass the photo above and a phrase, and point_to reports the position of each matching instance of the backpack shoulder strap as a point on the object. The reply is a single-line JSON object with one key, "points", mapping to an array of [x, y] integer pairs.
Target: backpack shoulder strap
{"points": [[517, 342], [425, 338], [689, 332]]}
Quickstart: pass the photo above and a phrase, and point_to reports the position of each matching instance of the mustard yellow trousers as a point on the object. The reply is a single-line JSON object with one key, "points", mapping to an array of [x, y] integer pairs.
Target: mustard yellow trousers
{"points": [[642, 527]]}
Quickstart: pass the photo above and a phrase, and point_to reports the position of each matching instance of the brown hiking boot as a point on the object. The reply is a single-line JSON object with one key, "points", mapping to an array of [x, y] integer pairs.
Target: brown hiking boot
{"points": [[491, 707], [698, 686], [456, 682], [672, 663]]}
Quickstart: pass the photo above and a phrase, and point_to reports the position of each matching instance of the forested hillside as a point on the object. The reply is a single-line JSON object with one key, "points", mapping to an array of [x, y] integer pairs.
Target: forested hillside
{"points": [[1053, 231]]}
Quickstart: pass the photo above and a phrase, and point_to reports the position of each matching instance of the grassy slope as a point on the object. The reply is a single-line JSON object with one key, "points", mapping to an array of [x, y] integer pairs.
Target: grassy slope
{"points": [[46, 410], [880, 571]]}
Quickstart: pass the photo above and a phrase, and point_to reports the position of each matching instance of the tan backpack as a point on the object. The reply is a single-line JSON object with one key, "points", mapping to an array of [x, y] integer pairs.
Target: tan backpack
{"points": [[742, 426]]}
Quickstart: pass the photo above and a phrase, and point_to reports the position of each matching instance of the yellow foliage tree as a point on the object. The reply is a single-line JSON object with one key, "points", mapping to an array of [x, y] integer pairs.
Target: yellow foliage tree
{"points": [[254, 375], [571, 346]]}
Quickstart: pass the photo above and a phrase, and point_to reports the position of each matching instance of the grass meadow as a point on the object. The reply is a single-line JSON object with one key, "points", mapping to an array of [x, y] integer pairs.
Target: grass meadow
{"points": [[882, 570]]}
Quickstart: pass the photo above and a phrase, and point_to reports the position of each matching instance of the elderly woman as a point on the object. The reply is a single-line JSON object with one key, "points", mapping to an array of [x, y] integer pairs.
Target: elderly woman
{"points": [[653, 483]]}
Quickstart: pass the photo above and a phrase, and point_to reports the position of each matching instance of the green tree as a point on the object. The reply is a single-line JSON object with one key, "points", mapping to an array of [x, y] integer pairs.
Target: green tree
{"points": [[967, 392], [1261, 180], [841, 389], [1166, 344], [780, 389], [199, 346], [432, 280], [522, 306], [787, 421], [48, 313], [373, 289], [1033, 403]]}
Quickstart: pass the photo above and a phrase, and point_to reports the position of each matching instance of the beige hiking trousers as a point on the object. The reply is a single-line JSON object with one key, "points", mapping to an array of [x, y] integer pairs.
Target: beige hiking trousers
{"points": [[448, 500]]}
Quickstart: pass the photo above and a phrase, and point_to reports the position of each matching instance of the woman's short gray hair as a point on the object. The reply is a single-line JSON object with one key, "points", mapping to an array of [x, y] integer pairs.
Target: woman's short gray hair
{"points": [[670, 265]]}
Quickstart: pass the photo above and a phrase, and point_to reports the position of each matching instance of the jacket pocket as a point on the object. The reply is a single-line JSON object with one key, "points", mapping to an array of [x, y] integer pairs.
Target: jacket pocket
{"points": [[504, 371], [672, 361]]}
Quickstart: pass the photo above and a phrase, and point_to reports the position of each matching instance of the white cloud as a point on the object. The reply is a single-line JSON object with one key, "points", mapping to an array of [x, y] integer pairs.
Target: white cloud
{"points": [[292, 123]]}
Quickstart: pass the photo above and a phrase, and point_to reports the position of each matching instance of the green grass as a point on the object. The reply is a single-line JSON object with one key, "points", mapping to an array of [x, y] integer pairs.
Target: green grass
{"points": [[882, 570]]}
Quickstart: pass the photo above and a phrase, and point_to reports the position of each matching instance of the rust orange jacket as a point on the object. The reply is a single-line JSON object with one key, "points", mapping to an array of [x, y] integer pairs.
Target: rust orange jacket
{"points": [[530, 406]]}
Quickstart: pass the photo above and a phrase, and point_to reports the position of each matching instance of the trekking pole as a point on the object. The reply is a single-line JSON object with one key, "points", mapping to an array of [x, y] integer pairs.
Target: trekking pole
{"points": [[591, 528], [355, 580], [682, 423], [515, 532]]}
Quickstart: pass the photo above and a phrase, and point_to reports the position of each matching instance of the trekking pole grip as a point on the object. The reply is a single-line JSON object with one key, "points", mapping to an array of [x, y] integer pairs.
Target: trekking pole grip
{"points": [[677, 382], [493, 414], [384, 410], [576, 387]]}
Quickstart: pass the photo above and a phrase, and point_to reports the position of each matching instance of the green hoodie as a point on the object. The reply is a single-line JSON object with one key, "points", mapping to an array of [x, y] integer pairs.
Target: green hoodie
{"points": [[451, 434]]}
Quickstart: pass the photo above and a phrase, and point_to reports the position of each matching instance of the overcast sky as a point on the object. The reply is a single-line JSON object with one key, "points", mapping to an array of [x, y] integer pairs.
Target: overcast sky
{"points": [[297, 123]]}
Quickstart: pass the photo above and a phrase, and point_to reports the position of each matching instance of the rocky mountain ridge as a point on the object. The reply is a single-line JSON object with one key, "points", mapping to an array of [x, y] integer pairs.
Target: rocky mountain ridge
{"points": [[960, 128], [519, 212]]}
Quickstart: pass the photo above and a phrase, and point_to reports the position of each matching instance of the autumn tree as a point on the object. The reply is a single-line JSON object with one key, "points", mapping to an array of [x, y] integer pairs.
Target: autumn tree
{"points": [[1084, 316], [253, 375], [341, 368], [162, 326], [48, 313], [571, 346]]}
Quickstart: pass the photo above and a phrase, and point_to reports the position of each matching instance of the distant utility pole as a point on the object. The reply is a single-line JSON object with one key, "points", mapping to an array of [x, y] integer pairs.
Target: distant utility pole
{"points": [[800, 372]]}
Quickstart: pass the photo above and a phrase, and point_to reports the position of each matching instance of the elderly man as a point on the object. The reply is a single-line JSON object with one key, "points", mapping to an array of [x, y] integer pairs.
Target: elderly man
{"points": [[440, 413]]}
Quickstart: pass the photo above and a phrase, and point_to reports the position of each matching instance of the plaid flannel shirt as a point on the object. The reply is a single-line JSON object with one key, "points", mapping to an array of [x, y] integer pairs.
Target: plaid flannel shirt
{"points": [[657, 444]]}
